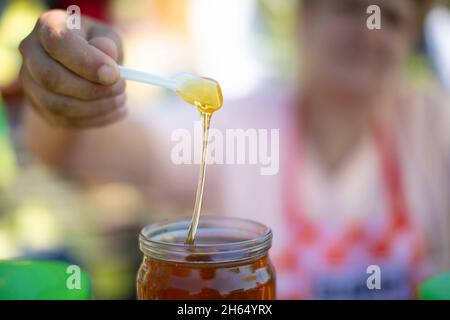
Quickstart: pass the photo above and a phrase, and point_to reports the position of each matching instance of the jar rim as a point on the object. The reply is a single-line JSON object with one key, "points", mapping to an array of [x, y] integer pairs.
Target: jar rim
{"points": [[255, 243]]}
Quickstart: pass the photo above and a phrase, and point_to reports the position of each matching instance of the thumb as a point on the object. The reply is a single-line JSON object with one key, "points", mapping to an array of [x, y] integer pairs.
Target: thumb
{"points": [[108, 47]]}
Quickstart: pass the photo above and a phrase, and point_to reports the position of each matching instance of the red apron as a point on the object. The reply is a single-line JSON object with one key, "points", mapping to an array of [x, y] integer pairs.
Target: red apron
{"points": [[328, 259]]}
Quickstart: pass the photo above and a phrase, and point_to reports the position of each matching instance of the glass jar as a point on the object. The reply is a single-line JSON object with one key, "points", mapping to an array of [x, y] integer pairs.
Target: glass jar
{"points": [[229, 260]]}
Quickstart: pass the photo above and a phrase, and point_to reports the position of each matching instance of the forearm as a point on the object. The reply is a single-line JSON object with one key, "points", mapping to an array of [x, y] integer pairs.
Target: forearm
{"points": [[51, 145]]}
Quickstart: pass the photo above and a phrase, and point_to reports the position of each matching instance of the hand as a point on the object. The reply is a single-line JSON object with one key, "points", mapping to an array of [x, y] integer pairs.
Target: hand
{"points": [[71, 77]]}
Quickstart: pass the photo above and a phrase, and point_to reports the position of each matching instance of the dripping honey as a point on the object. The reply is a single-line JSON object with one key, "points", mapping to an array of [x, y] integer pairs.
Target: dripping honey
{"points": [[214, 260], [206, 95]]}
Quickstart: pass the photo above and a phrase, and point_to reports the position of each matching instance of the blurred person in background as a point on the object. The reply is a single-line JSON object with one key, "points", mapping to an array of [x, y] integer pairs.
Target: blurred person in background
{"points": [[364, 162]]}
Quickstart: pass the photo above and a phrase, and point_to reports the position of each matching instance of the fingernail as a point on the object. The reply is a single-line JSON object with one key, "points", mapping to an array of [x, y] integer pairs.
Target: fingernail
{"points": [[107, 74]]}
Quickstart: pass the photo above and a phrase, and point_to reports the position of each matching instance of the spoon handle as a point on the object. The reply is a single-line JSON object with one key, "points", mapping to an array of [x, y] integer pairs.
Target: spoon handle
{"points": [[140, 76]]}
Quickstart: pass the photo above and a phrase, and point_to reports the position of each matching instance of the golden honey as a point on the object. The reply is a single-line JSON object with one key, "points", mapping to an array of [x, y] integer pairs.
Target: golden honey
{"points": [[229, 261], [206, 95]]}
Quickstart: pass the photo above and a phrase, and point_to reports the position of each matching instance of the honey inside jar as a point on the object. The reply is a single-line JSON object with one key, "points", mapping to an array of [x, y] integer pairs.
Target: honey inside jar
{"points": [[229, 261]]}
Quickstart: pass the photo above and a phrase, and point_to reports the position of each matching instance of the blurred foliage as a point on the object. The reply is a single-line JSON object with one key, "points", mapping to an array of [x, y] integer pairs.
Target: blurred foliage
{"points": [[443, 2], [279, 34], [418, 69], [7, 156], [16, 21], [43, 216]]}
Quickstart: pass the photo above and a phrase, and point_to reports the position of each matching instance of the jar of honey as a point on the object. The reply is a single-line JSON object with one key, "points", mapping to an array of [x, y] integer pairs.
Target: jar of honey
{"points": [[228, 260]]}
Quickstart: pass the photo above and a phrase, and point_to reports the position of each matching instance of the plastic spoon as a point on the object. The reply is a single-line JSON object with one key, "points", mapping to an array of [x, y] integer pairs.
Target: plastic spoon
{"points": [[204, 93]]}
